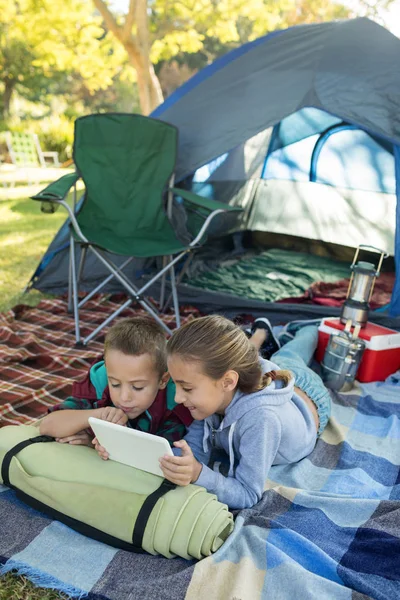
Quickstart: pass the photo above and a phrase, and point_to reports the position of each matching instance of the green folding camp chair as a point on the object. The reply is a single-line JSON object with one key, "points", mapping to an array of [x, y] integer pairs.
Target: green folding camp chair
{"points": [[127, 164]]}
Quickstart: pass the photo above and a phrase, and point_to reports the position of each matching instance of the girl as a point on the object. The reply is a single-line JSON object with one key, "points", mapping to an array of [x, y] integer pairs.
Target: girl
{"points": [[248, 414]]}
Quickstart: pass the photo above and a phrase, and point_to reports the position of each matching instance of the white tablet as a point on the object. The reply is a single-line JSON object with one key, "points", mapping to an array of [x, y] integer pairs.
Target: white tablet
{"points": [[131, 447]]}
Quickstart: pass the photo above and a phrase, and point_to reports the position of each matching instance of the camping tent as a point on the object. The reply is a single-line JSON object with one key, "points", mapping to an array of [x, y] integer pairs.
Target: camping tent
{"points": [[247, 112]]}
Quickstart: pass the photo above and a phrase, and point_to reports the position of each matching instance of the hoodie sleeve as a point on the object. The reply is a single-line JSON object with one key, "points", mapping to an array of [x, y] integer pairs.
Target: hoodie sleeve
{"points": [[194, 438], [258, 446]]}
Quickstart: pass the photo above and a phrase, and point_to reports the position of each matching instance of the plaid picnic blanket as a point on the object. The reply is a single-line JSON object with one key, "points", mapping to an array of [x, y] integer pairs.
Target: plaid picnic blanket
{"points": [[38, 358], [326, 527]]}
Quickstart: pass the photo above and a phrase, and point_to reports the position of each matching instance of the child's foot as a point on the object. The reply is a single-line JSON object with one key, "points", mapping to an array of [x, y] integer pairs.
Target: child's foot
{"points": [[291, 328], [258, 337], [247, 330], [269, 344]]}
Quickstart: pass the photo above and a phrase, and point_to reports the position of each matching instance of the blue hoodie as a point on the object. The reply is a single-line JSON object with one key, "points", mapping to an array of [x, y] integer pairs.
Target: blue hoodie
{"points": [[269, 427]]}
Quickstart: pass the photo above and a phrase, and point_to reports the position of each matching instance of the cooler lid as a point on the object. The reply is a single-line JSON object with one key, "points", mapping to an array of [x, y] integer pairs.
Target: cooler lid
{"points": [[376, 336]]}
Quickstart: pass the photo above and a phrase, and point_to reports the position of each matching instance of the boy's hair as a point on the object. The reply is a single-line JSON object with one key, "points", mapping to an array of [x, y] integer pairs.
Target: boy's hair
{"points": [[136, 336], [220, 345]]}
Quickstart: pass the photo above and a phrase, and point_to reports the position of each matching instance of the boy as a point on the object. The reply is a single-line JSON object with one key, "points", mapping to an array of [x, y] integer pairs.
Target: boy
{"points": [[131, 387]]}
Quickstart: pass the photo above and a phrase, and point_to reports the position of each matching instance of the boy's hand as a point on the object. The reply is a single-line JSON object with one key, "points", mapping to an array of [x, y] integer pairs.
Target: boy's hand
{"points": [[181, 470], [101, 451], [81, 438], [112, 415]]}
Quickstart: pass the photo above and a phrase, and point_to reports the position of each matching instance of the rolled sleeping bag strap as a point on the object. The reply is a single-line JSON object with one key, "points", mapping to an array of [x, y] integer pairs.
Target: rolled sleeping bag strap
{"points": [[146, 509], [5, 467], [144, 512], [61, 480]]}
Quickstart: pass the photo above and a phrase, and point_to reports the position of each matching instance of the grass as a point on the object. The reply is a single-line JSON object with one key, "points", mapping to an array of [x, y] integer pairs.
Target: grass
{"points": [[20, 588], [25, 233]]}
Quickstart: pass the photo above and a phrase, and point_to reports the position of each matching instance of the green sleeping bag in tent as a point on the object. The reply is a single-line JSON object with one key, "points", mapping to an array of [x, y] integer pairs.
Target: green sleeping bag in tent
{"points": [[111, 502]]}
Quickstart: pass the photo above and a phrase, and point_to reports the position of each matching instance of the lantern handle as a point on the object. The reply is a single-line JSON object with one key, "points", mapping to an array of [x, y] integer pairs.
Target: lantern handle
{"points": [[385, 254], [368, 247]]}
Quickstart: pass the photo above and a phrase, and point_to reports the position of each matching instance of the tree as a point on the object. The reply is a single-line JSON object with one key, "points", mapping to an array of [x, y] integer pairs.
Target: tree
{"points": [[153, 31], [134, 35], [46, 43]]}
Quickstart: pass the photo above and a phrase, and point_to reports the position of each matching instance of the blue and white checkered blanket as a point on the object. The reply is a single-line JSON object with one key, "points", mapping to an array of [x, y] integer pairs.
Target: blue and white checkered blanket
{"points": [[327, 527]]}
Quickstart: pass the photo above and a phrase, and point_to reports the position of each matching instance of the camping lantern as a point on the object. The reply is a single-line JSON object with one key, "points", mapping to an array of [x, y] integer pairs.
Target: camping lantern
{"points": [[342, 358], [363, 275]]}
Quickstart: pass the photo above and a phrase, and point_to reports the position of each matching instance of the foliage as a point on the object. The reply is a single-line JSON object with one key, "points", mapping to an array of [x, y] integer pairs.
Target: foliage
{"points": [[157, 31], [50, 47], [190, 27], [64, 49], [56, 132]]}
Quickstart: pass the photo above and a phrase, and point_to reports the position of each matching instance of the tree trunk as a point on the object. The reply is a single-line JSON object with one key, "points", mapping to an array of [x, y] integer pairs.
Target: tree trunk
{"points": [[150, 93], [8, 91], [137, 48]]}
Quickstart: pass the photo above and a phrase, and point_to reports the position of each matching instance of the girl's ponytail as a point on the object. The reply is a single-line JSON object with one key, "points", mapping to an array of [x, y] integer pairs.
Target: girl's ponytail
{"points": [[220, 345], [281, 375]]}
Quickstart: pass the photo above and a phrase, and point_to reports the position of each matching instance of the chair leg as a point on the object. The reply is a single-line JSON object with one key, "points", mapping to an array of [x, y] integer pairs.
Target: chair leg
{"points": [[70, 293], [102, 284], [136, 294], [81, 263], [155, 316], [115, 272], [131, 290], [74, 289], [179, 279], [162, 290], [175, 297], [106, 321]]}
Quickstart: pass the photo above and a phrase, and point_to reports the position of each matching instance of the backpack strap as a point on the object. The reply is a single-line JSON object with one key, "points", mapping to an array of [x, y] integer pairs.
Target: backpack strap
{"points": [[5, 467]]}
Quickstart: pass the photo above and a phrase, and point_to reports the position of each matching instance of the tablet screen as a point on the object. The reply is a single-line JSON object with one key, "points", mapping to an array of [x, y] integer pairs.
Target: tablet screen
{"points": [[131, 447]]}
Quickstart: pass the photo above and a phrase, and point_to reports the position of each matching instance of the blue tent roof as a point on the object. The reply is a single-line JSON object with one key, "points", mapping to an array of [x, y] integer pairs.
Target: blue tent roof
{"points": [[347, 69]]}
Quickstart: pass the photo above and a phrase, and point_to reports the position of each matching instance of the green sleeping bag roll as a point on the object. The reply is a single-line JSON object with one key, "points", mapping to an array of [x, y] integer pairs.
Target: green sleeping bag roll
{"points": [[109, 501]]}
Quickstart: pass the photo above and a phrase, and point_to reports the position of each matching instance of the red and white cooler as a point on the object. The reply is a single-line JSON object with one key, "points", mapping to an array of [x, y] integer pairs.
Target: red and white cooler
{"points": [[381, 357]]}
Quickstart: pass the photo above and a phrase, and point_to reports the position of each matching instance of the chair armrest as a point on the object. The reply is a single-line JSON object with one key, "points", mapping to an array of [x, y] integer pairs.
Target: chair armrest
{"points": [[205, 203], [200, 221], [57, 190], [53, 155]]}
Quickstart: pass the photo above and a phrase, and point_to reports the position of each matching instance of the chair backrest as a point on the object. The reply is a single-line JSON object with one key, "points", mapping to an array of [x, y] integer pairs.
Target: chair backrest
{"points": [[126, 162], [24, 149]]}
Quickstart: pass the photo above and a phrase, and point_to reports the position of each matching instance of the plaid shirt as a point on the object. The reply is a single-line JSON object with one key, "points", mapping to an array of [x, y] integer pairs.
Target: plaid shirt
{"points": [[164, 417]]}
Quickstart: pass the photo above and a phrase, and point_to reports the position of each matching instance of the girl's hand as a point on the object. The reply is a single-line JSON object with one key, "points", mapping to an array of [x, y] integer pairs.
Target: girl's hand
{"points": [[181, 470], [101, 451], [82, 438], [112, 415]]}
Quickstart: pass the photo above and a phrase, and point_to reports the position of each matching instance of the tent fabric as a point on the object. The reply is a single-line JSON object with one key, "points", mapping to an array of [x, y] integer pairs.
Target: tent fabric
{"points": [[317, 211], [332, 66], [341, 71], [395, 304], [301, 125], [345, 68], [341, 156]]}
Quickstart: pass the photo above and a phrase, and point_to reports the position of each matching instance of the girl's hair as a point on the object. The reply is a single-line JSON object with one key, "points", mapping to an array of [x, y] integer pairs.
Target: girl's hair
{"points": [[220, 345], [136, 336]]}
